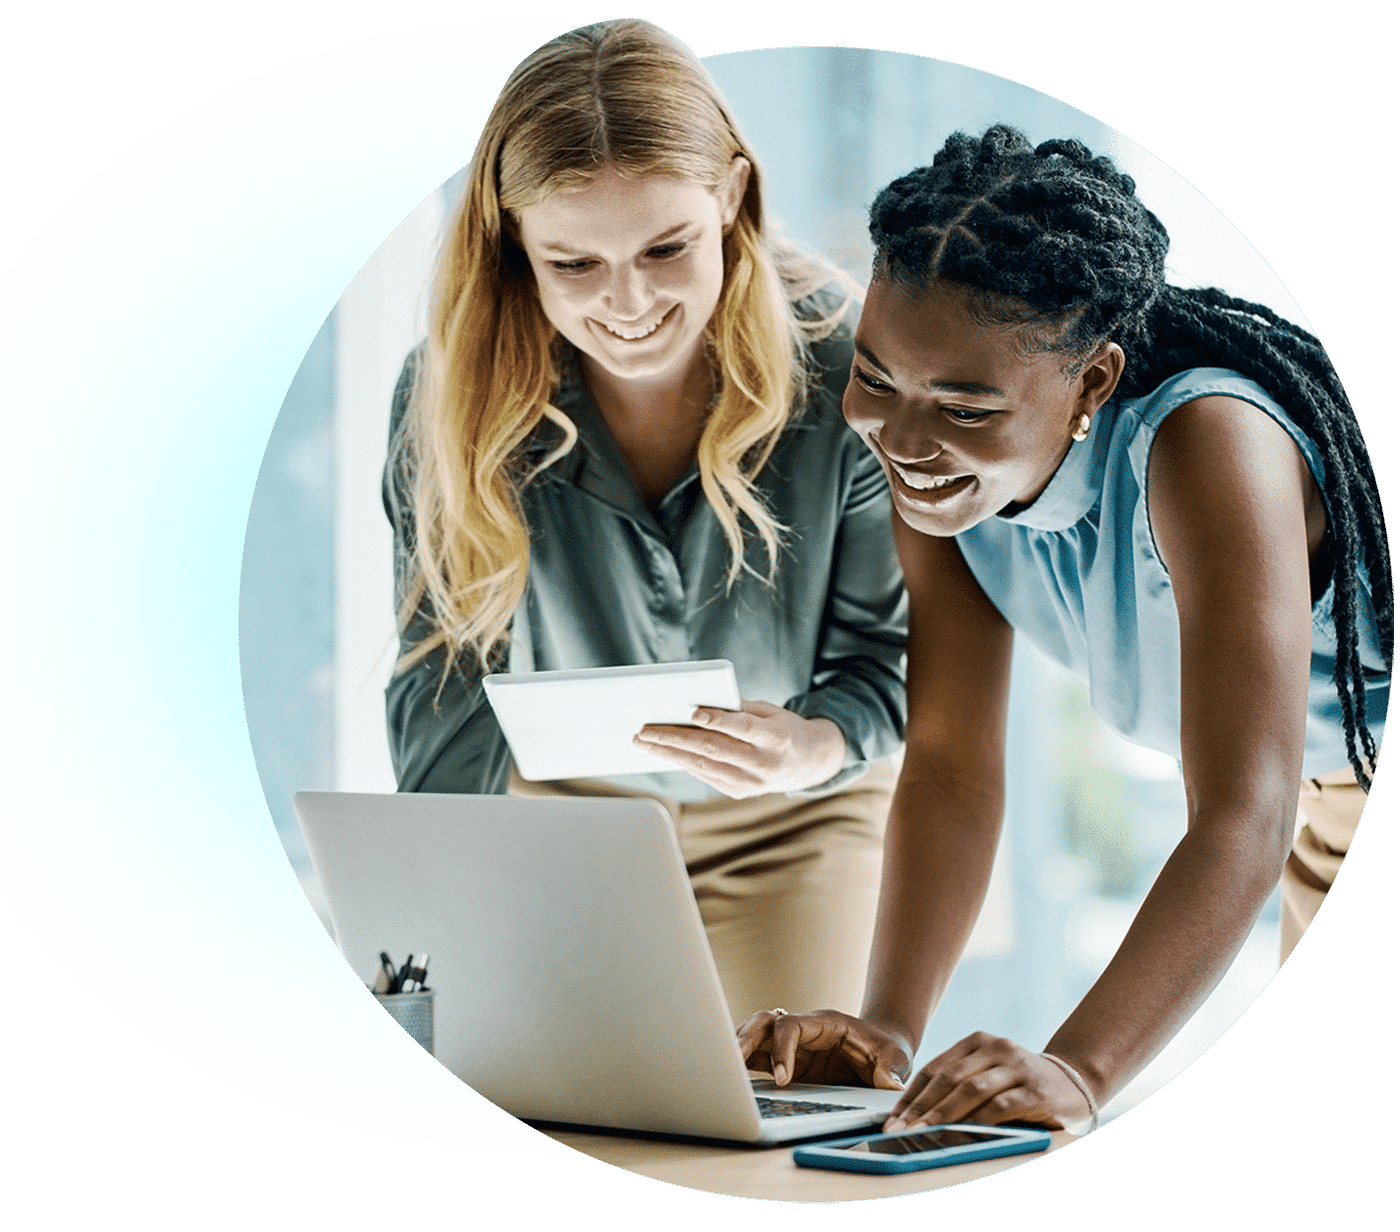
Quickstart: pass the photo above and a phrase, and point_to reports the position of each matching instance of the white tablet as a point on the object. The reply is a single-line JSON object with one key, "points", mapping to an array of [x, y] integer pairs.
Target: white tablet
{"points": [[580, 724]]}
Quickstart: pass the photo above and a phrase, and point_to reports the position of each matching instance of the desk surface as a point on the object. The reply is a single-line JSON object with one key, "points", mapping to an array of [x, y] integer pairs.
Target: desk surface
{"points": [[768, 1172]]}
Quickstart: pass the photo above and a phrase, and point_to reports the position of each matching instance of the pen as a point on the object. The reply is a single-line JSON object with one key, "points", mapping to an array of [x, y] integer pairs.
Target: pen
{"points": [[386, 974]]}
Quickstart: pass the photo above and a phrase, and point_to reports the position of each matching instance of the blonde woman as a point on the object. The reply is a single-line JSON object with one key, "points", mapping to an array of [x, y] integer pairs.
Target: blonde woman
{"points": [[622, 442]]}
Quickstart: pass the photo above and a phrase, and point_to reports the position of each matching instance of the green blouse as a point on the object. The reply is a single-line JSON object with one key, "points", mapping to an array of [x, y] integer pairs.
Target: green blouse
{"points": [[613, 583]]}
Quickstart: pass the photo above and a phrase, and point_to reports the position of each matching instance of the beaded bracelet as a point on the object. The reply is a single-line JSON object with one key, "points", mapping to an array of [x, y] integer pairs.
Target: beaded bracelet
{"points": [[1073, 1075]]}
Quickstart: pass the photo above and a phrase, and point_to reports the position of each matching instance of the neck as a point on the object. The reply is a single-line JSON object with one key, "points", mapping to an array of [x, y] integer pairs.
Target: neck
{"points": [[656, 421]]}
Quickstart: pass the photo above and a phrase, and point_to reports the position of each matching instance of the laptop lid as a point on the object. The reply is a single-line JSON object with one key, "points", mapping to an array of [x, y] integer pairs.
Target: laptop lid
{"points": [[572, 978]]}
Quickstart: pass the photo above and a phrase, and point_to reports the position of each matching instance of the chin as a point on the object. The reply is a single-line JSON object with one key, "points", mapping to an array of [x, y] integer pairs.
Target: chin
{"points": [[638, 369], [939, 524]]}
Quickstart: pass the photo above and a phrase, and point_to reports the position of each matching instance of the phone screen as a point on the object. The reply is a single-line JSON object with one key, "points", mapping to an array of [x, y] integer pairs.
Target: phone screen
{"points": [[917, 1144]]}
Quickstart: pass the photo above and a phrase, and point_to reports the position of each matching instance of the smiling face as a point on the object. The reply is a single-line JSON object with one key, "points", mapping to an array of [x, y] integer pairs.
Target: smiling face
{"points": [[963, 419], [630, 270]]}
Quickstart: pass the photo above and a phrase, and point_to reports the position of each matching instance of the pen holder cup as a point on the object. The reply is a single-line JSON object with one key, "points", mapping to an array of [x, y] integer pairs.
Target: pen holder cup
{"points": [[413, 1011]]}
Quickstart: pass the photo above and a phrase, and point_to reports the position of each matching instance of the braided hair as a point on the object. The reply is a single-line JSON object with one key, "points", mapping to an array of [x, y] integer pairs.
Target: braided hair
{"points": [[1054, 238]]}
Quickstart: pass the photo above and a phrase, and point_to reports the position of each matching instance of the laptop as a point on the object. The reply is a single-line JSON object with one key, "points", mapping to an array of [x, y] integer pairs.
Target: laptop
{"points": [[573, 983]]}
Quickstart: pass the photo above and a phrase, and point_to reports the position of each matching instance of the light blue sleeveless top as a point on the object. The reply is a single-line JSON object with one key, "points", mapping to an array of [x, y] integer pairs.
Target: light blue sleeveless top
{"points": [[1077, 572]]}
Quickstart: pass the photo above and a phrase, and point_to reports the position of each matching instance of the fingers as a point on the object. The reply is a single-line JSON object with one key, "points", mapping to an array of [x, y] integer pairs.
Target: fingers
{"points": [[714, 746], [890, 1067], [983, 1078], [796, 1045], [760, 724], [934, 1071], [752, 1033], [725, 764], [726, 734]]}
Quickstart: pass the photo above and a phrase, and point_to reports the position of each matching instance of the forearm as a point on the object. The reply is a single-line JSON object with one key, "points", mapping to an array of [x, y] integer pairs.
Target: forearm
{"points": [[939, 847], [1190, 927]]}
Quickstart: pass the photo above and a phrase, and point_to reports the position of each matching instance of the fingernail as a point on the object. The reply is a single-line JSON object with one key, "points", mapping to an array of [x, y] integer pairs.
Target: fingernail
{"points": [[780, 1073], [893, 1125], [700, 716]]}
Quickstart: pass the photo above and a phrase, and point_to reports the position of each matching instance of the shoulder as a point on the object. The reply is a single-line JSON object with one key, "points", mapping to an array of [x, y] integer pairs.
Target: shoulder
{"points": [[828, 310], [1225, 480], [1204, 411], [403, 388], [1152, 408], [827, 317], [1223, 437]]}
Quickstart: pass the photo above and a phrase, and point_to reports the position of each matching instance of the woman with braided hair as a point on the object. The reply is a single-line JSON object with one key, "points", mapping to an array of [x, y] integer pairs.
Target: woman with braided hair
{"points": [[1167, 491]]}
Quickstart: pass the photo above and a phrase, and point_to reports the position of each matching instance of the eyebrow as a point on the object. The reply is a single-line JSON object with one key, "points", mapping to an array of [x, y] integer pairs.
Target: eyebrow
{"points": [[555, 246], [974, 389]]}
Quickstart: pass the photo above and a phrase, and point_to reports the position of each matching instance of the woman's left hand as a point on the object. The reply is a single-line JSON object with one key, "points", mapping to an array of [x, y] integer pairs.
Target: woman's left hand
{"points": [[989, 1080], [750, 752]]}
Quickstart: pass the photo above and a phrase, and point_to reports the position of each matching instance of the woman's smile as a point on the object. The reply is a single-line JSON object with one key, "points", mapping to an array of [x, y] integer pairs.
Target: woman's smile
{"points": [[639, 333], [923, 482]]}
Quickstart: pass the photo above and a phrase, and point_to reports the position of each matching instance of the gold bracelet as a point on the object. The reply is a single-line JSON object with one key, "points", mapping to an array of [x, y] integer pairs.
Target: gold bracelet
{"points": [[1074, 1076]]}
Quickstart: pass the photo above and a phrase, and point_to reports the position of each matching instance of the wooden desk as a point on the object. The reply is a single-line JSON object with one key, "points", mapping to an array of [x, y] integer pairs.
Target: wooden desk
{"points": [[768, 1172]]}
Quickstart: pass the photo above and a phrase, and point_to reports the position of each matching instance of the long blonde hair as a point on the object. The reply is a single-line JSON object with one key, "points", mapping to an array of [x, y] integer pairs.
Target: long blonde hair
{"points": [[623, 93]]}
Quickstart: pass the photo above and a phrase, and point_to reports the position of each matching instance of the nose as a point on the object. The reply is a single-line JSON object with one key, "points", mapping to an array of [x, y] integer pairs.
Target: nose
{"points": [[627, 295], [906, 438]]}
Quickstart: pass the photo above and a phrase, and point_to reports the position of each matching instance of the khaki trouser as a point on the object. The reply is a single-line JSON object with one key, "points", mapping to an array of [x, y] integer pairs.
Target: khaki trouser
{"points": [[1329, 807], [786, 885]]}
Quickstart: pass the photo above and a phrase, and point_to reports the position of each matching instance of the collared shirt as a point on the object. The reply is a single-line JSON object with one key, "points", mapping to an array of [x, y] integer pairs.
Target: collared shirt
{"points": [[1077, 571], [612, 583]]}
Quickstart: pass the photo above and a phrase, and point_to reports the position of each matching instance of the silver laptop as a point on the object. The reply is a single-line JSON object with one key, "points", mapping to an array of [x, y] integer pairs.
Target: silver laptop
{"points": [[572, 979]]}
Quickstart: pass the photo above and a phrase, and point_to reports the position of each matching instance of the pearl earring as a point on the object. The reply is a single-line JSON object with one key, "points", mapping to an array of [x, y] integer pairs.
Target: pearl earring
{"points": [[1081, 433]]}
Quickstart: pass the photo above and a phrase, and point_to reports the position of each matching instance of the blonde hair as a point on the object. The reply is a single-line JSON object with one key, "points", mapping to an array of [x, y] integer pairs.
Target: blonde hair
{"points": [[627, 94]]}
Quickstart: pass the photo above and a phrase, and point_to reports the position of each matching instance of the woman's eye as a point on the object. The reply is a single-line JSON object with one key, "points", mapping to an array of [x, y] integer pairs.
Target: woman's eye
{"points": [[868, 382], [963, 415], [571, 267], [663, 251]]}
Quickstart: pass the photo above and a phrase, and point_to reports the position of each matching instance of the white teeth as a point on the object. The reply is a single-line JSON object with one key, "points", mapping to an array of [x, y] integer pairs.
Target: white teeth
{"points": [[926, 483], [631, 335]]}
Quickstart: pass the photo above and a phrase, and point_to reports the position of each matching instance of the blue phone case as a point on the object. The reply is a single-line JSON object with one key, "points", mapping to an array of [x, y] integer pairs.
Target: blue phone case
{"points": [[1008, 1142]]}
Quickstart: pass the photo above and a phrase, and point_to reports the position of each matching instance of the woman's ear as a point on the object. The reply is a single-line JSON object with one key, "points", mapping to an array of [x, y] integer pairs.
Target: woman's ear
{"points": [[1098, 378], [731, 189]]}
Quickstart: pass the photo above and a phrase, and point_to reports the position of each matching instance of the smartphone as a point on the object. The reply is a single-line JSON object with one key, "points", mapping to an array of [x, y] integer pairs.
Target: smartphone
{"points": [[934, 1146]]}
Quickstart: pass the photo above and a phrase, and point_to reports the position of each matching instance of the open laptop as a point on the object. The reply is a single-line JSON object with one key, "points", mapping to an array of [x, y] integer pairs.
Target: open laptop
{"points": [[573, 981]]}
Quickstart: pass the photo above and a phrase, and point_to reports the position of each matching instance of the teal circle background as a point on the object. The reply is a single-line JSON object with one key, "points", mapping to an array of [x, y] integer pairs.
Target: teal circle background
{"points": [[129, 655]]}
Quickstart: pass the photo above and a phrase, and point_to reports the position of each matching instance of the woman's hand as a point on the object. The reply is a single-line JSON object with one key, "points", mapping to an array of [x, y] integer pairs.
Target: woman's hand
{"points": [[824, 1046], [750, 752], [990, 1080]]}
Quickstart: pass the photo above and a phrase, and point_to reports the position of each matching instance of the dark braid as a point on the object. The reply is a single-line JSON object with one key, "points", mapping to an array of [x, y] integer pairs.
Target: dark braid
{"points": [[1055, 239]]}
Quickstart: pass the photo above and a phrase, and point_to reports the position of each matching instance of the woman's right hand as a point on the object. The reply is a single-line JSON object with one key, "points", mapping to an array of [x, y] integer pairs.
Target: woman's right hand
{"points": [[825, 1046]]}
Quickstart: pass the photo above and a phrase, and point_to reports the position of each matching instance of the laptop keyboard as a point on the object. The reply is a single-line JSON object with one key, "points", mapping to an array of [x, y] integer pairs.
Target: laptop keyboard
{"points": [[796, 1107]]}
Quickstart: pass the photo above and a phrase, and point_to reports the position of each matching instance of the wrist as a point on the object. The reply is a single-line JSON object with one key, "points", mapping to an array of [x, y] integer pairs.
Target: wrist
{"points": [[1079, 1081], [1063, 1047], [894, 1026], [833, 751]]}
